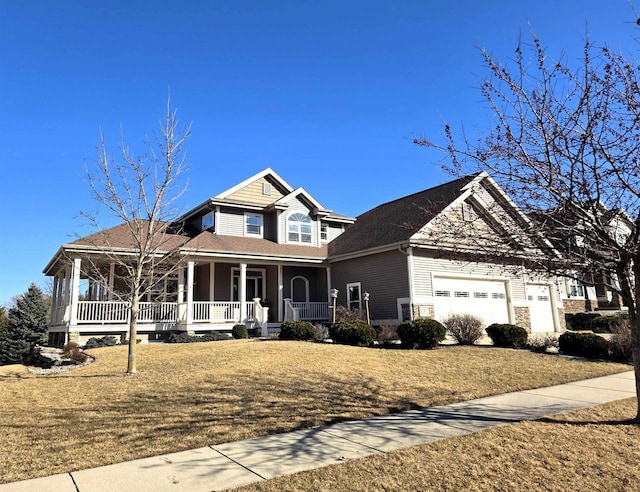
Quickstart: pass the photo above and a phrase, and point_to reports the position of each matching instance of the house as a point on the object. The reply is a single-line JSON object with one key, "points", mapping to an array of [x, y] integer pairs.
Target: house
{"points": [[263, 252], [595, 286], [461, 247], [254, 254]]}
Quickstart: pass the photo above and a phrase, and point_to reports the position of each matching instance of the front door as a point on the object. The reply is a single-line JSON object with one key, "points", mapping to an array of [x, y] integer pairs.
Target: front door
{"points": [[254, 284]]}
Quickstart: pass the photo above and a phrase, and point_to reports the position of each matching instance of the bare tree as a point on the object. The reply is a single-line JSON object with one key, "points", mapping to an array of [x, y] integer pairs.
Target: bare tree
{"points": [[141, 191], [565, 145]]}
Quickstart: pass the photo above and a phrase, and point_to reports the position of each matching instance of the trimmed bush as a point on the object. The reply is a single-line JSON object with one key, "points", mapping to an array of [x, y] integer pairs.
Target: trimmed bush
{"points": [[580, 321], [183, 337], [297, 330], [352, 332], [421, 333], [605, 324], [465, 328], [105, 341], [587, 345], [239, 331], [508, 336]]}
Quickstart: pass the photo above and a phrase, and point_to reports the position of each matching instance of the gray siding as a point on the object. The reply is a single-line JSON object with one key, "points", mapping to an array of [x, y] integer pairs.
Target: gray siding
{"points": [[424, 266], [333, 231], [231, 223], [383, 275]]}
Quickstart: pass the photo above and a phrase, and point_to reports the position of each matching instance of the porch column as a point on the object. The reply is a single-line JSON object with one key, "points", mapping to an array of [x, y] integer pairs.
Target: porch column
{"points": [[75, 290], [54, 300], [180, 285], [243, 292], [212, 280], [280, 294], [411, 283], [190, 266], [112, 274]]}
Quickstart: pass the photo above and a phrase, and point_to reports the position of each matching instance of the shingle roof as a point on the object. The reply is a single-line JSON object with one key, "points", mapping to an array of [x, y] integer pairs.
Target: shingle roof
{"points": [[124, 236], [208, 242], [398, 220]]}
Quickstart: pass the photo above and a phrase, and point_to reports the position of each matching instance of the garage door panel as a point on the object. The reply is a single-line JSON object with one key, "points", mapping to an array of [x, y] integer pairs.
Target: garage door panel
{"points": [[486, 299], [540, 308]]}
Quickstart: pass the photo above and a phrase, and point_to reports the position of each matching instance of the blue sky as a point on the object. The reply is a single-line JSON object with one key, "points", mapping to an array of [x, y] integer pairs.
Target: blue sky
{"points": [[329, 94]]}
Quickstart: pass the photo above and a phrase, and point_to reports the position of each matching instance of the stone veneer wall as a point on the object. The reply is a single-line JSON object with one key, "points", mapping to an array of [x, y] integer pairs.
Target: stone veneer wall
{"points": [[523, 317], [573, 306], [422, 311]]}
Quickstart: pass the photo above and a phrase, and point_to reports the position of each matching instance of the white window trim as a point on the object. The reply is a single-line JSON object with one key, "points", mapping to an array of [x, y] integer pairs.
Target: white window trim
{"points": [[324, 239], [252, 234], [299, 223], [212, 215], [306, 287], [354, 284]]}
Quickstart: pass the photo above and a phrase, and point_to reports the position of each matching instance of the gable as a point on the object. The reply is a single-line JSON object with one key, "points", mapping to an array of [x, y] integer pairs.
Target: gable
{"points": [[263, 191], [481, 220]]}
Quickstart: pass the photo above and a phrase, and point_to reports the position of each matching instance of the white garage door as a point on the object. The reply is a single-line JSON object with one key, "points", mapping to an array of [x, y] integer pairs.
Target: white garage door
{"points": [[540, 308], [486, 299]]}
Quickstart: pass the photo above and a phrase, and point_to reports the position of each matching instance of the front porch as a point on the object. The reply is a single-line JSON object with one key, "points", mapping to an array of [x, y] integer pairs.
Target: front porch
{"points": [[201, 296]]}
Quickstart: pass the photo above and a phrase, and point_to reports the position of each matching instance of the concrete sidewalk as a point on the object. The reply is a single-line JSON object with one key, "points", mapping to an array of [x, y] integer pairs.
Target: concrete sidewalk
{"points": [[238, 463]]}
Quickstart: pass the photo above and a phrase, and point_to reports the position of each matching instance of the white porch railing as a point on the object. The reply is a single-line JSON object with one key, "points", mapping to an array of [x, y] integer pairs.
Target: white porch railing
{"points": [[102, 312], [162, 312], [220, 311], [203, 312], [307, 311]]}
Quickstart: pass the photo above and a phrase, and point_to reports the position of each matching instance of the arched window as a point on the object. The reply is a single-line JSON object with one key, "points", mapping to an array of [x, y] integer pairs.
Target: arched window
{"points": [[299, 289], [299, 227]]}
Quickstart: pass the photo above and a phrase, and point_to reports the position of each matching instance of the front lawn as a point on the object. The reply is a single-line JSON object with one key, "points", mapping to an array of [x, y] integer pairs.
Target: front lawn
{"points": [[192, 395], [592, 449]]}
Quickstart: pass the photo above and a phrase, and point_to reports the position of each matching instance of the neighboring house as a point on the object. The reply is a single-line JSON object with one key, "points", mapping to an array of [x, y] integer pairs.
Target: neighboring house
{"points": [[253, 254], [263, 252], [457, 248], [594, 287]]}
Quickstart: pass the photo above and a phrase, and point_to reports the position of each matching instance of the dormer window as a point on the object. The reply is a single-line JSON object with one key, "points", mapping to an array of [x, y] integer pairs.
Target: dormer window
{"points": [[253, 225], [299, 227], [207, 221]]}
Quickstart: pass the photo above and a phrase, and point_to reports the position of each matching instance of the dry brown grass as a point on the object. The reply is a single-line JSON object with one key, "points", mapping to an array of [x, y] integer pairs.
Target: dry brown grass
{"points": [[187, 396], [586, 450]]}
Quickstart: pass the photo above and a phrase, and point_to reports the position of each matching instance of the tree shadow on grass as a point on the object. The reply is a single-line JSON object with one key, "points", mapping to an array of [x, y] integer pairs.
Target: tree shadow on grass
{"points": [[583, 423]]}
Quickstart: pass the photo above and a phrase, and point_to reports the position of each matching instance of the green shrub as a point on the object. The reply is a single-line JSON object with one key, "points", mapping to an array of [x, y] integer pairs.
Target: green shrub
{"points": [[239, 331], [580, 321], [105, 341], [297, 330], [605, 324], [183, 337], [465, 328], [352, 332], [506, 335], [587, 345], [421, 333]]}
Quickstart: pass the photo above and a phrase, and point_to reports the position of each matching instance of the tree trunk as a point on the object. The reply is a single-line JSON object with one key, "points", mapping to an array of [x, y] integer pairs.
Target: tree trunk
{"points": [[133, 335]]}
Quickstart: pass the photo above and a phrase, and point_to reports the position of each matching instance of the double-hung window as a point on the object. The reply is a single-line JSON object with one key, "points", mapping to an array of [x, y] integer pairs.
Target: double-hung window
{"points": [[299, 228], [253, 225]]}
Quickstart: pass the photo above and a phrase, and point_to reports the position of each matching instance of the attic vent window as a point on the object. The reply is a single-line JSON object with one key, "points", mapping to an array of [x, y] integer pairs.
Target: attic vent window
{"points": [[466, 212], [266, 189]]}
